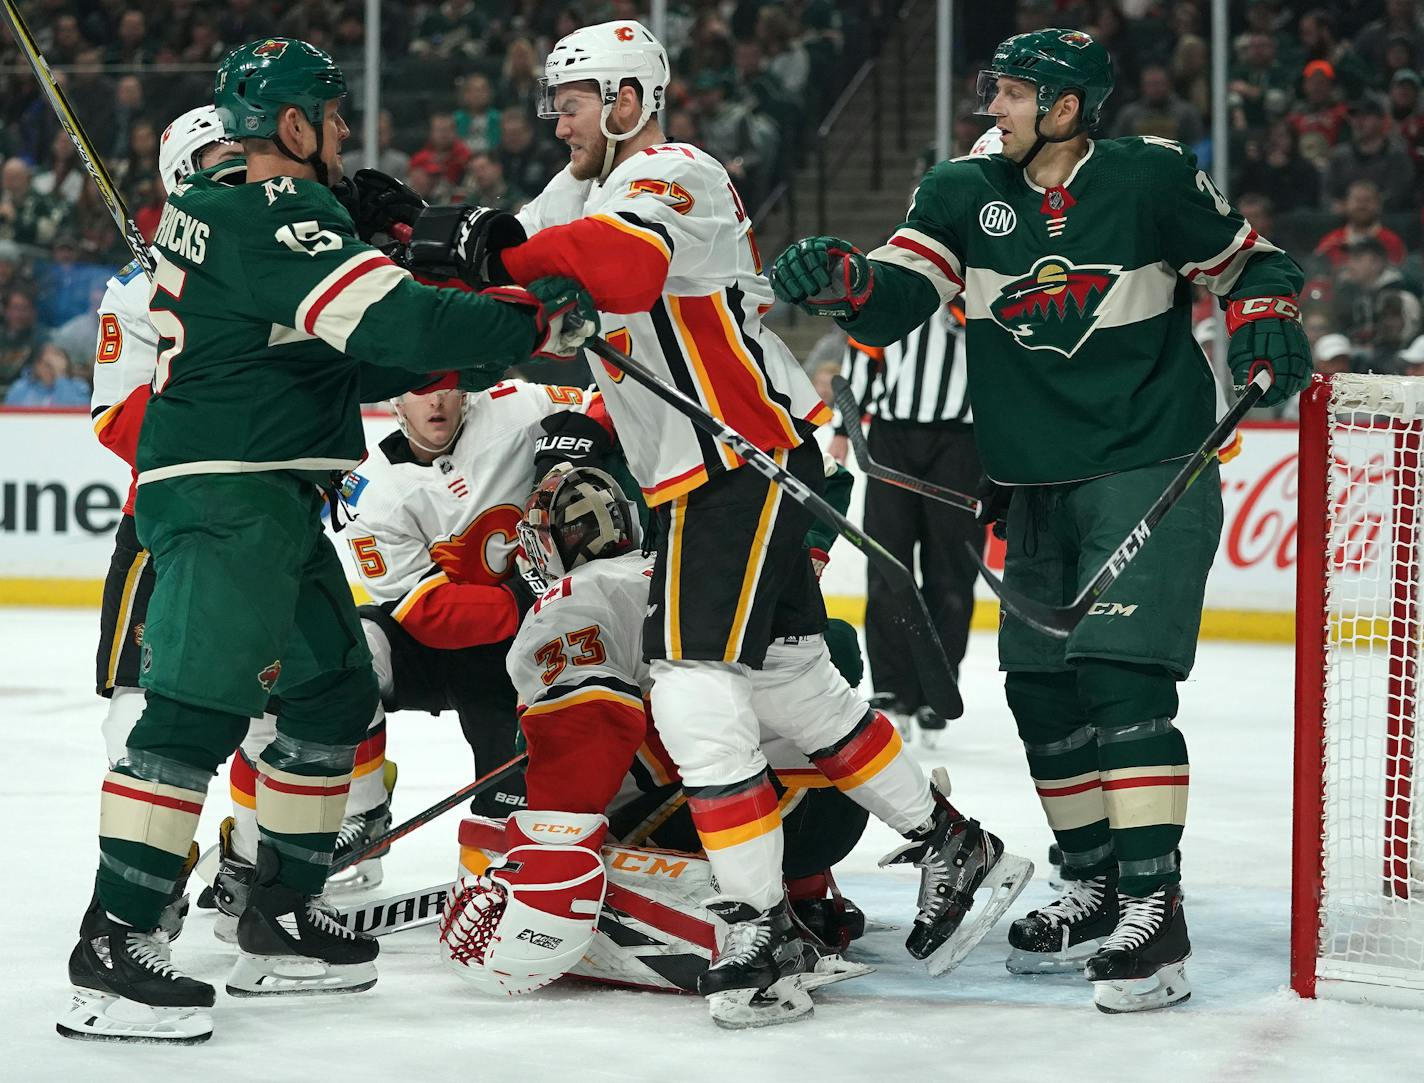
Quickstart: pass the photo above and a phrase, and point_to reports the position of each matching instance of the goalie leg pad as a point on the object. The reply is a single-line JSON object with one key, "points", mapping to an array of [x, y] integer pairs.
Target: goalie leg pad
{"points": [[529, 919]]}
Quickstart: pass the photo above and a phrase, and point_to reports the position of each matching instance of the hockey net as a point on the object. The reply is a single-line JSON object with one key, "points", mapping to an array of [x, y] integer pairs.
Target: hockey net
{"points": [[1358, 884]]}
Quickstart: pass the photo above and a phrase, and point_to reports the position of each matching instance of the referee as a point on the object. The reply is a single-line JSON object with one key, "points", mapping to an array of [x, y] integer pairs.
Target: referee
{"points": [[916, 396]]}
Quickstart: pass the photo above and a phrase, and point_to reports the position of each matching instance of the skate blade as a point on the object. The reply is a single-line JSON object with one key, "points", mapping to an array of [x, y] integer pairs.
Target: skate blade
{"points": [[1009, 876], [349, 882], [1069, 961], [286, 975], [784, 1001], [831, 969], [1161, 990], [102, 1017]]}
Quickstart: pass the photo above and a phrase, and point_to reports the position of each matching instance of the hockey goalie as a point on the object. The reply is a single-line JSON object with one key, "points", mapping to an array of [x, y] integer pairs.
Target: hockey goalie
{"points": [[551, 891]]}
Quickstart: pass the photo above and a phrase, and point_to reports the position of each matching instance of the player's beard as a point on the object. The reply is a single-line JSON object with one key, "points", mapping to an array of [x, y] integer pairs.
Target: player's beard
{"points": [[588, 165]]}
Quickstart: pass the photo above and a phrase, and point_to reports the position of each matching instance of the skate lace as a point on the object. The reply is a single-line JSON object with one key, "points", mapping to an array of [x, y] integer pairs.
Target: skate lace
{"points": [[151, 953], [323, 919], [941, 877], [1137, 921], [1079, 899], [352, 828], [744, 941]]}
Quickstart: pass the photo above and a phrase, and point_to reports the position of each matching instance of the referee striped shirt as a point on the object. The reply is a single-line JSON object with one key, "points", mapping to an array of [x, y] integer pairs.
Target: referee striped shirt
{"points": [[921, 378]]}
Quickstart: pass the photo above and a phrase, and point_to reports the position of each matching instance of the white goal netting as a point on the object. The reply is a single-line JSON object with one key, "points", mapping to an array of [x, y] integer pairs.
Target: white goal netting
{"points": [[1371, 857]]}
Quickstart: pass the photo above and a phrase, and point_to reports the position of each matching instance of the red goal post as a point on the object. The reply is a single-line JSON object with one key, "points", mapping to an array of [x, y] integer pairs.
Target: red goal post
{"points": [[1357, 897]]}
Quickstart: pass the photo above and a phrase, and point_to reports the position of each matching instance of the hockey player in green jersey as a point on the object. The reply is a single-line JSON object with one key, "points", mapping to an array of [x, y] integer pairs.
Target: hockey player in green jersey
{"points": [[1076, 260], [276, 321]]}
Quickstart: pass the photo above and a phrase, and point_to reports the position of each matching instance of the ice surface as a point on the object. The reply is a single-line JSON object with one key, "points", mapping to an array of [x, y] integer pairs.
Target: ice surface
{"points": [[978, 1025]]}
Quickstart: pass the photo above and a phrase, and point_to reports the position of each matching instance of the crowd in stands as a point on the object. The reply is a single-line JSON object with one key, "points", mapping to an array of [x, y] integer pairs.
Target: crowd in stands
{"points": [[1326, 127]]}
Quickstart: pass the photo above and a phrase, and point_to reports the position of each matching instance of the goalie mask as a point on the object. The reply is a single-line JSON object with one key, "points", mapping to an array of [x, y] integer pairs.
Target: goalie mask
{"points": [[576, 514]]}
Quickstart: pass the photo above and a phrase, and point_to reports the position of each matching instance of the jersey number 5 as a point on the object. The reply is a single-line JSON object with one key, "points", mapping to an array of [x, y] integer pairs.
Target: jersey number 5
{"points": [[167, 278], [551, 655]]}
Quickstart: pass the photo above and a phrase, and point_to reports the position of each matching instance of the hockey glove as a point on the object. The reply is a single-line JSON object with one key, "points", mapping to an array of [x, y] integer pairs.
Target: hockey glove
{"points": [[824, 276], [819, 559], [377, 201], [534, 913], [573, 438], [1266, 334], [464, 243], [994, 506], [564, 314]]}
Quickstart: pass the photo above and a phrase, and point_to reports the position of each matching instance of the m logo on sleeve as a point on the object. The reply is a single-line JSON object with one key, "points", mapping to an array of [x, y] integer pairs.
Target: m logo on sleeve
{"points": [[1054, 306]]}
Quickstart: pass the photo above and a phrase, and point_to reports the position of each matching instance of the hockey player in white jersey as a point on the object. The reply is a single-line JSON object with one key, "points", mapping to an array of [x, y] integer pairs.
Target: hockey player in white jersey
{"points": [[595, 760], [125, 358], [657, 234]]}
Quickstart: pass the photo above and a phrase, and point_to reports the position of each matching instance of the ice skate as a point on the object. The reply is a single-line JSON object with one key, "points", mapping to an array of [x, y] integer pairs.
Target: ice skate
{"points": [[764, 973], [127, 990], [292, 944], [170, 922], [1059, 937], [231, 882], [963, 868], [929, 726], [358, 831], [898, 712], [1141, 965]]}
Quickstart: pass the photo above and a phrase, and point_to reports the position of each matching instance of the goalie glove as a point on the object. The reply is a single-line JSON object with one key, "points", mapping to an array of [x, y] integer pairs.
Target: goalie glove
{"points": [[377, 202], [1266, 334], [824, 276], [564, 314], [464, 243], [532, 915]]}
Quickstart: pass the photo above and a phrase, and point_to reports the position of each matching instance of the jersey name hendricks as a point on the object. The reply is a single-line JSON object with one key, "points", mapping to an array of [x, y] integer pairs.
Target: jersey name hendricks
{"points": [[182, 234]]}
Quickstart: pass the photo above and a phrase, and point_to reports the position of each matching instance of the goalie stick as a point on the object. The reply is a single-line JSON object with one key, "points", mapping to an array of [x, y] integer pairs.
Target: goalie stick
{"points": [[93, 164], [850, 418], [933, 667], [1059, 621]]}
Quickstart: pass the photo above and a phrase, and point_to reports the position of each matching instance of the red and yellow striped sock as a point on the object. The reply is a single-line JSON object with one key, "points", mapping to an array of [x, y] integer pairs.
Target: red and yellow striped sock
{"points": [[740, 827], [871, 767]]}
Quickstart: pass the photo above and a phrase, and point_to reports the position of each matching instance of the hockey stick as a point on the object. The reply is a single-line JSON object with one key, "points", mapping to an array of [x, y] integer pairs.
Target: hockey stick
{"points": [[933, 667], [70, 123], [400, 831], [396, 913], [850, 418], [1058, 621]]}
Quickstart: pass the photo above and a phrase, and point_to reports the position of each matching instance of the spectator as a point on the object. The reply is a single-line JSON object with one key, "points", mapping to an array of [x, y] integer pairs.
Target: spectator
{"points": [[443, 152], [1259, 211], [77, 335], [1400, 20], [1371, 154], [1396, 324], [821, 377], [519, 83], [130, 45], [47, 382], [477, 120], [91, 93], [527, 167], [129, 109], [1399, 55], [63, 284], [1411, 360], [427, 182], [1363, 278], [65, 177], [389, 159], [241, 23], [1320, 40], [451, 28], [14, 271], [64, 42], [1260, 86], [735, 134], [204, 45], [1404, 112], [1274, 167], [1159, 112], [26, 217], [785, 57], [1191, 70], [1319, 120], [1333, 353], [487, 186], [19, 335], [681, 127], [1362, 219]]}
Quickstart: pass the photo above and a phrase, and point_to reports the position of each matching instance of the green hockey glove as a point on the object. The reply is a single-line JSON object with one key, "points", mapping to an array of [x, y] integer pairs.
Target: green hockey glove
{"points": [[824, 276], [1266, 334], [564, 314]]}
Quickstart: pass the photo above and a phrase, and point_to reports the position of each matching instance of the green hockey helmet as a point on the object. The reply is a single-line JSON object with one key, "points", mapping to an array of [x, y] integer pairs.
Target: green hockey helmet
{"points": [[256, 80], [1057, 62]]}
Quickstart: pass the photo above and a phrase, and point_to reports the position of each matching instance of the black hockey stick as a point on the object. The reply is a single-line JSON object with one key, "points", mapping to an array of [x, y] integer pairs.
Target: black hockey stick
{"points": [[932, 665], [400, 831], [850, 418], [70, 123], [1059, 621]]}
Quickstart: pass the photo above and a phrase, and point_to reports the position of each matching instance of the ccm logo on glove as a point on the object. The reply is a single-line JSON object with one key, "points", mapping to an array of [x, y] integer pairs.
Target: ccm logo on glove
{"points": [[1259, 308]]}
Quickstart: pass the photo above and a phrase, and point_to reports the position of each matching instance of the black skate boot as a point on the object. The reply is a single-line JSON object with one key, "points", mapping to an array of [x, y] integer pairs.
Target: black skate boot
{"points": [[291, 943], [900, 713], [957, 860], [358, 831], [930, 726], [764, 971], [819, 907], [127, 990], [231, 883], [1059, 937], [1140, 966]]}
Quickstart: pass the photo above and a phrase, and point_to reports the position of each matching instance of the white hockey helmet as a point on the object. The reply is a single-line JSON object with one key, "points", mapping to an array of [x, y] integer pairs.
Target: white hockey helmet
{"points": [[991, 142], [574, 515], [607, 54], [184, 140]]}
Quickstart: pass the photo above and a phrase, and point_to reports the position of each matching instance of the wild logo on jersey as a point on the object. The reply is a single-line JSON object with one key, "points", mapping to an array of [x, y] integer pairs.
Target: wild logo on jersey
{"points": [[1055, 305]]}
